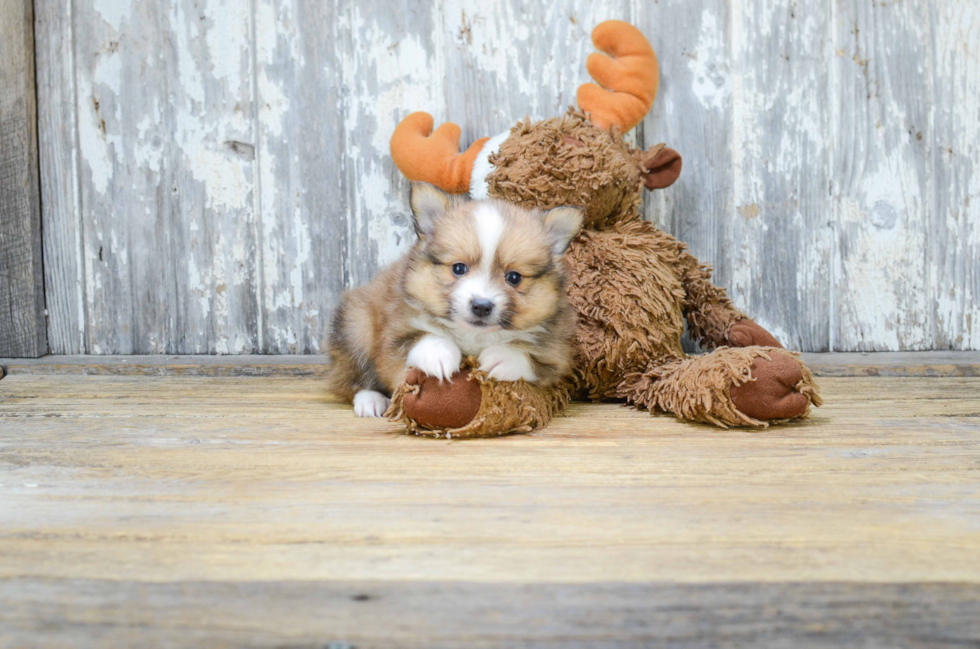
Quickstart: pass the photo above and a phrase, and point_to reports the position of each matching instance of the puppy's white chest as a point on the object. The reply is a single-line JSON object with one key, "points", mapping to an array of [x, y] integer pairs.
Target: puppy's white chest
{"points": [[472, 343]]}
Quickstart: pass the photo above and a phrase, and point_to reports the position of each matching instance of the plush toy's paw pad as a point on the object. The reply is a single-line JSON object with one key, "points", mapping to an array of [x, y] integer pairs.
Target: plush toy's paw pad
{"points": [[368, 403], [442, 404], [773, 394], [436, 356], [505, 363], [746, 333]]}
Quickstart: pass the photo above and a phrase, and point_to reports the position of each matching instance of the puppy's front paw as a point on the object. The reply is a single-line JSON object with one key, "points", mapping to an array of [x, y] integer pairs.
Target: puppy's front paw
{"points": [[368, 403], [506, 364], [436, 356]]}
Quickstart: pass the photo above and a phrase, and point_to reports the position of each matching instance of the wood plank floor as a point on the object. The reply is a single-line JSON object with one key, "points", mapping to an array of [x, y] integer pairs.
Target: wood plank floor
{"points": [[140, 511]]}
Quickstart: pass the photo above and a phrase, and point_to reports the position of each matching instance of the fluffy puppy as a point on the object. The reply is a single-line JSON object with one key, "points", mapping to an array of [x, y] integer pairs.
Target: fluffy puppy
{"points": [[485, 278]]}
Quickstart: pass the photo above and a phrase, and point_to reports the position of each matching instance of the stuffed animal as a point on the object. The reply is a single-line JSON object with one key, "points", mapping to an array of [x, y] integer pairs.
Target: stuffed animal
{"points": [[632, 284]]}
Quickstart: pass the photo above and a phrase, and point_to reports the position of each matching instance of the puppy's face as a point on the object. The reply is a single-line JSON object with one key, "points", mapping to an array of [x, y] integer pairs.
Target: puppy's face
{"points": [[488, 265]]}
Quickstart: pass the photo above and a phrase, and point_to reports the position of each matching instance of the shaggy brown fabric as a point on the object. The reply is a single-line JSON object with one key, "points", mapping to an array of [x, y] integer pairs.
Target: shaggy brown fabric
{"points": [[568, 161], [506, 406], [699, 387], [625, 288]]}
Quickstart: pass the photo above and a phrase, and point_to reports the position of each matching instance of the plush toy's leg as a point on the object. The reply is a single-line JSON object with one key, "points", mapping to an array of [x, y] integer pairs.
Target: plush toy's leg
{"points": [[473, 405], [751, 386]]}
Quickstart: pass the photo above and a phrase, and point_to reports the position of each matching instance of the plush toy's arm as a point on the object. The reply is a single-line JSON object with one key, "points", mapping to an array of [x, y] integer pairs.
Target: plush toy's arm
{"points": [[471, 404], [712, 319], [709, 312]]}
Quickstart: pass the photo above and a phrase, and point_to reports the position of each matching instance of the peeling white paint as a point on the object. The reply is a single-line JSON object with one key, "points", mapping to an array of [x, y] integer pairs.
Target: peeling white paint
{"points": [[114, 12], [710, 78], [815, 115]]}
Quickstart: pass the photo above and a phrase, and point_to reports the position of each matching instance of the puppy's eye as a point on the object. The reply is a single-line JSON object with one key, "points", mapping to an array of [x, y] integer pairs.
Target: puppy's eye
{"points": [[459, 269], [513, 278]]}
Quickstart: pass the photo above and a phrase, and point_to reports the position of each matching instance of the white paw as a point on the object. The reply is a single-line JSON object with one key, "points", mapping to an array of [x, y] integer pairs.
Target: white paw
{"points": [[368, 403], [436, 356], [506, 364]]}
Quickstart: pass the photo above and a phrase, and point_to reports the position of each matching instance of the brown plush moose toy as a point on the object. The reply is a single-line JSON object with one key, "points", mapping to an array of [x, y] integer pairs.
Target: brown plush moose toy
{"points": [[632, 284]]}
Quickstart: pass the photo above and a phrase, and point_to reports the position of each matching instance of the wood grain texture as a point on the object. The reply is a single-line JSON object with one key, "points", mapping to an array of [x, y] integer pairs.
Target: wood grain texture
{"points": [[143, 511], [693, 114], [881, 98], [303, 144], [243, 478], [778, 228], [164, 121], [830, 153], [60, 200], [22, 325], [744, 100], [954, 238], [442, 615], [510, 59]]}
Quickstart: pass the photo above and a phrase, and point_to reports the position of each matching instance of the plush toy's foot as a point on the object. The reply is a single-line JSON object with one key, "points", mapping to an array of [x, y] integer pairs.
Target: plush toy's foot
{"points": [[751, 386], [472, 404], [442, 404], [776, 391]]}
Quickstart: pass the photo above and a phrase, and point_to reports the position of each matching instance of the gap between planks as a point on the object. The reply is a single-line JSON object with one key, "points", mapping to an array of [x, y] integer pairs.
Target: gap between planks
{"points": [[845, 364]]}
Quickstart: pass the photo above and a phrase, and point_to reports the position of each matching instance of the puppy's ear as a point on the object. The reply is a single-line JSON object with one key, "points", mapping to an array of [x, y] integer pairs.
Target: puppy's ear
{"points": [[429, 204], [562, 224]]}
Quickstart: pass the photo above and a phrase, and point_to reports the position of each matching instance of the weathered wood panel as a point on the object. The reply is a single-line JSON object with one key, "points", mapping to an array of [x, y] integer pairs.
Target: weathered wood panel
{"points": [[22, 325], [806, 182], [58, 151], [954, 238], [693, 114], [302, 150], [373, 614], [260, 512], [390, 57], [506, 60], [164, 158], [243, 479], [881, 102], [885, 364], [745, 103]]}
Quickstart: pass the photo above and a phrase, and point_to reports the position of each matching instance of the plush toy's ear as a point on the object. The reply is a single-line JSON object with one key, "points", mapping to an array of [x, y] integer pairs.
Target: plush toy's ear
{"points": [[429, 204], [661, 167], [562, 224]]}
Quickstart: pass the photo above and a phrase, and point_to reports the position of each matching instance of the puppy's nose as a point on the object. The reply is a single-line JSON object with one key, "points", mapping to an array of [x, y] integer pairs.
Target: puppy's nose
{"points": [[481, 307]]}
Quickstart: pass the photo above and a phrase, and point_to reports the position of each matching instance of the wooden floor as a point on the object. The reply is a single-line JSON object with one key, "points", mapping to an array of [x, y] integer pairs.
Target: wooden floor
{"points": [[143, 511]]}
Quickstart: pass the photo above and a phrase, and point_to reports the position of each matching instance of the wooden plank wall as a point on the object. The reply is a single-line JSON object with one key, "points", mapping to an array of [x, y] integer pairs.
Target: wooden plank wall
{"points": [[22, 327], [215, 173]]}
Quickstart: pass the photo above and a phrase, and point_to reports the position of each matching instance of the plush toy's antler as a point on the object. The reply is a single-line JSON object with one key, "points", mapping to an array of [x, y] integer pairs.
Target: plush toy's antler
{"points": [[434, 158], [628, 80]]}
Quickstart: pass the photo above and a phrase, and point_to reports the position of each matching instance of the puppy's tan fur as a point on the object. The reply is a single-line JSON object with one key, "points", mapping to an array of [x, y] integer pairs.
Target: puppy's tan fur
{"points": [[377, 325]]}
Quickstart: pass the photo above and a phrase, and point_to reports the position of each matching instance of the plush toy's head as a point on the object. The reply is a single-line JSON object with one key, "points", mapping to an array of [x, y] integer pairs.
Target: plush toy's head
{"points": [[569, 161], [578, 159]]}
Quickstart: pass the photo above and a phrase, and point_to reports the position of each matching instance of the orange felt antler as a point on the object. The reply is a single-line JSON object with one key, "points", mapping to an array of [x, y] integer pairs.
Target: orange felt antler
{"points": [[628, 80], [434, 158]]}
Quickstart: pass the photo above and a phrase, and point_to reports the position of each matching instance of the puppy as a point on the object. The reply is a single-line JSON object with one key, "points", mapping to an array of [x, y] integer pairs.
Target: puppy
{"points": [[485, 278]]}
